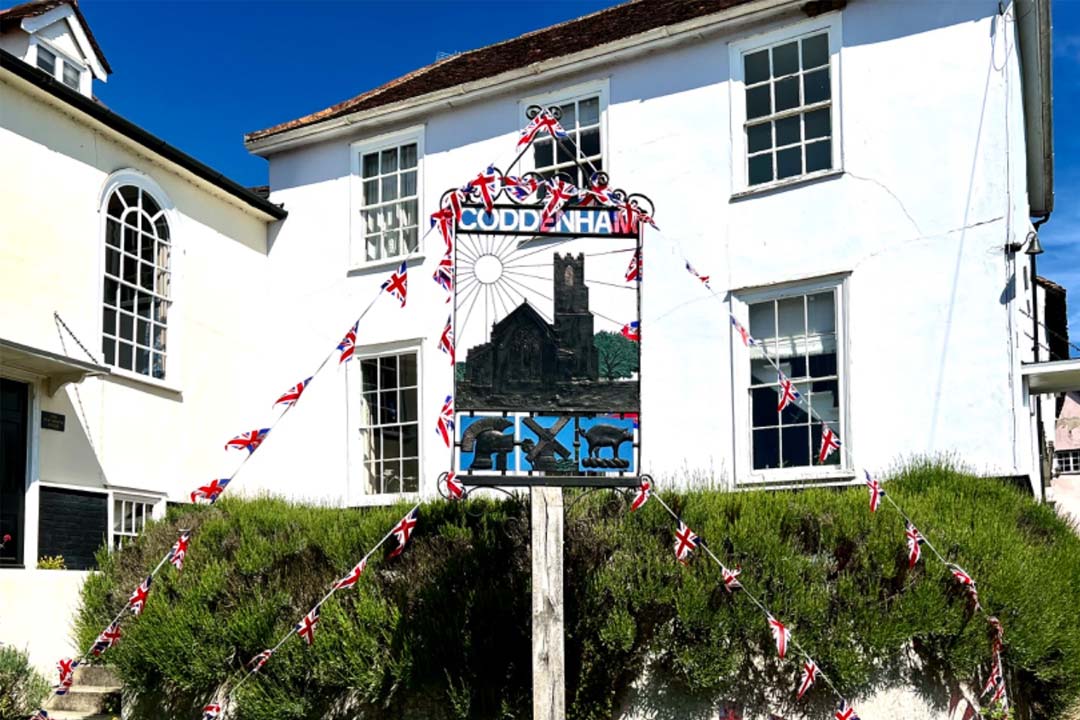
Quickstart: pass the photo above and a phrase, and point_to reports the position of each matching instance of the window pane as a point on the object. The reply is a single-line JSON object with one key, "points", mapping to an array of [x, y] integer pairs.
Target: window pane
{"points": [[408, 183], [159, 337], [408, 156], [371, 165], [159, 366], [815, 51], [110, 292], [766, 448], [787, 94], [146, 276], [112, 261], [392, 243], [124, 356], [543, 153], [108, 350], [785, 59], [790, 317], [127, 326], [820, 313], [762, 320], [112, 232], [411, 479], [756, 67], [789, 163], [369, 369], [389, 161], [46, 60], [389, 188], [130, 193], [408, 369], [161, 225], [788, 131], [409, 238], [388, 217], [818, 123], [373, 246], [408, 212], [824, 399], [143, 335], [131, 239], [410, 444], [391, 443], [127, 298], [762, 372], [388, 376], [391, 477], [116, 206], [118, 515], [408, 406], [131, 269], [108, 321], [589, 110], [564, 153], [819, 156], [388, 401], [371, 192], [71, 77], [761, 170], [590, 142], [161, 311], [569, 116], [759, 137], [816, 86], [794, 365], [758, 102], [142, 361], [796, 446], [823, 364], [763, 406], [145, 304]]}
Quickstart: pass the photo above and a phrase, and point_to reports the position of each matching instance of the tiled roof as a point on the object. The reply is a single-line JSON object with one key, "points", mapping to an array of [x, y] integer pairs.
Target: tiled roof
{"points": [[599, 28], [10, 17]]}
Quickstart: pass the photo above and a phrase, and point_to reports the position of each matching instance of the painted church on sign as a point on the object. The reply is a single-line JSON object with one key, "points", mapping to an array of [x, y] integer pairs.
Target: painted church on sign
{"points": [[884, 264]]}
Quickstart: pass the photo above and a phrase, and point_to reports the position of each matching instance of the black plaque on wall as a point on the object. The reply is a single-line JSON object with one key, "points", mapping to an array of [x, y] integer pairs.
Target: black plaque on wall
{"points": [[52, 421], [74, 524]]}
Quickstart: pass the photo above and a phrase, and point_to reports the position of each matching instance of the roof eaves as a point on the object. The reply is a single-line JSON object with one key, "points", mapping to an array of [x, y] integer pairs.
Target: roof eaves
{"points": [[133, 132]]}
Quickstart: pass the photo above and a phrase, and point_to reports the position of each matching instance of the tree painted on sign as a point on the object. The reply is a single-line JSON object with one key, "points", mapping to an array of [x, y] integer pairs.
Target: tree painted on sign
{"points": [[618, 356]]}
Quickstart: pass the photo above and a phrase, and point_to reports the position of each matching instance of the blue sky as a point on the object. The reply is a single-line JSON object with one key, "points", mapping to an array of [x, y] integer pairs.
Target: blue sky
{"points": [[200, 74]]}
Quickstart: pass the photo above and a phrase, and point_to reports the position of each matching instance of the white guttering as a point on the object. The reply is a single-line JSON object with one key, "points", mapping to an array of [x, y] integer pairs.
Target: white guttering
{"points": [[1036, 61], [626, 48]]}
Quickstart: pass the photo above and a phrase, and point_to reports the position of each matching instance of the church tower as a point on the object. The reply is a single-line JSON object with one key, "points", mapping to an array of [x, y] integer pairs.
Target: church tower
{"points": [[578, 357]]}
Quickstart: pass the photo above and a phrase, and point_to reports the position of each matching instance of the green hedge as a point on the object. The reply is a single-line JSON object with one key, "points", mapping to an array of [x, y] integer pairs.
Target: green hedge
{"points": [[21, 687], [443, 630]]}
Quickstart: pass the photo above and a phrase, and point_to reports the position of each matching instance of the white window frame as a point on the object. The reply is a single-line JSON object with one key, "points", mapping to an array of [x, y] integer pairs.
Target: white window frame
{"points": [[574, 93], [174, 366], [740, 164], [745, 474], [62, 59], [153, 503], [357, 256], [356, 490], [1072, 458]]}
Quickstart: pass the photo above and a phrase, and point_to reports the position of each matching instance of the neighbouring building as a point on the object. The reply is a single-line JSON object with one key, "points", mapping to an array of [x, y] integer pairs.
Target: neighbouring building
{"points": [[858, 179], [127, 273]]}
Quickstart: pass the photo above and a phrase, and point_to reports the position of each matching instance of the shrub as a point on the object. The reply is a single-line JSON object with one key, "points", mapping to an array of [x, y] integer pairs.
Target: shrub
{"points": [[51, 562], [443, 630], [21, 687]]}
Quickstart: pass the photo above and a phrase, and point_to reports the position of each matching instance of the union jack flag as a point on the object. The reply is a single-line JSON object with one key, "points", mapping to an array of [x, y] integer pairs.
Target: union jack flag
{"points": [[809, 675], [444, 219], [108, 637], [788, 393], [876, 491], [845, 712], [403, 531], [633, 271], [544, 121], [290, 396], [559, 193], [398, 284], [488, 183], [685, 542], [642, 496], [306, 627], [995, 682], [250, 441], [743, 332], [999, 632], [914, 544], [829, 443], [454, 201], [635, 417], [968, 583], [520, 187], [347, 346], [353, 577], [179, 551], [66, 666], [632, 216], [454, 486], [137, 601], [211, 711], [446, 340], [445, 425], [599, 194], [703, 278], [259, 660], [731, 578], [444, 274], [780, 634], [632, 331], [210, 492]]}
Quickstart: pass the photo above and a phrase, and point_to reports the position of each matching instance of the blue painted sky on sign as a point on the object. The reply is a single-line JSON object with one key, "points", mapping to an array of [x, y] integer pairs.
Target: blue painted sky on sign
{"points": [[200, 74]]}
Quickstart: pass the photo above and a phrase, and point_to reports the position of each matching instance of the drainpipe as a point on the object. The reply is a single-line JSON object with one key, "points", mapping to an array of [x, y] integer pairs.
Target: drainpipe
{"points": [[1044, 458]]}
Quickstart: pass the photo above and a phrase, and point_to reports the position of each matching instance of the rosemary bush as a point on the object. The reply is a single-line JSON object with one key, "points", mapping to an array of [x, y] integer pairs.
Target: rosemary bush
{"points": [[443, 630]]}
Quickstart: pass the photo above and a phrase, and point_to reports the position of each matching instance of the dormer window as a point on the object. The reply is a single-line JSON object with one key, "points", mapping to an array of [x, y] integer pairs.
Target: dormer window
{"points": [[59, 66], [71, 76], [46, 60]]}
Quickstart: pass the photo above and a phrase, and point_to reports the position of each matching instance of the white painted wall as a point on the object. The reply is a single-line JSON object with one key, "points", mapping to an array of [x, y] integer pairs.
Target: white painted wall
{"points": [[932, 189], [38, 614]]}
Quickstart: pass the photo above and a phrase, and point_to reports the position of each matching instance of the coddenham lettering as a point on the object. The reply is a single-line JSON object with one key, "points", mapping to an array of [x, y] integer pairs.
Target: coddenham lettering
{"points": [[576, 221]]}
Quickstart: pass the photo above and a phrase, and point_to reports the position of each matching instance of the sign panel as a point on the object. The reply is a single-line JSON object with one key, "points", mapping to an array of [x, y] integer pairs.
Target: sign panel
{"points": [[52, 421]]}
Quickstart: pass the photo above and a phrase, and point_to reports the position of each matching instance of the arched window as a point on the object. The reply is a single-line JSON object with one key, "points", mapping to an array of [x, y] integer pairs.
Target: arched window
{"points": [[137, 277]]}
